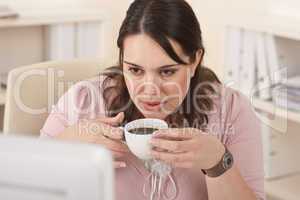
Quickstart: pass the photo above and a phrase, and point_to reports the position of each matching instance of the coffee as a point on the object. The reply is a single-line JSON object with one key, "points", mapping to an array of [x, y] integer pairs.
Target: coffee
{"points": [[142, 131]]}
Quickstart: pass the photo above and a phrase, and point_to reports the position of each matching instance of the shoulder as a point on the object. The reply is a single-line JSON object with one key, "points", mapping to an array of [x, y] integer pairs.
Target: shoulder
{"points": [[232, 112], [235, 103], [83, 99], [230, 102]]}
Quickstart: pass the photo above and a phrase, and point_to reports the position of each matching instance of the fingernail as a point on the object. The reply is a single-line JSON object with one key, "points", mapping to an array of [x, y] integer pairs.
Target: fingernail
{"points": [[155, 134], [123, 165], [152, 153], [153, 141]]}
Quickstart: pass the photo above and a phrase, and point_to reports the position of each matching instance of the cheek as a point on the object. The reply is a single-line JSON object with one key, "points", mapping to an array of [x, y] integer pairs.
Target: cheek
{"points": [[176, 91], [178, 86], [130, 86], [133, 87]]}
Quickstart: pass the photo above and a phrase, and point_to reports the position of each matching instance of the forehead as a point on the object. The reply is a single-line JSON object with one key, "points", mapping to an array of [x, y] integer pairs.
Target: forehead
{"points": [[143, 50]]}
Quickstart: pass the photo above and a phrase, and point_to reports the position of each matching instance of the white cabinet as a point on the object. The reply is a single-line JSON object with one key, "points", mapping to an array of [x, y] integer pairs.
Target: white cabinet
{"points": [[88, 37], [55, 36], [60, 41], [281, 127], [73, 40]]}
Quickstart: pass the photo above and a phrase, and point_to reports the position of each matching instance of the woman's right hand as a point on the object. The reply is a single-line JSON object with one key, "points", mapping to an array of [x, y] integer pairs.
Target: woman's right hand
{"points": [[103, 131]]}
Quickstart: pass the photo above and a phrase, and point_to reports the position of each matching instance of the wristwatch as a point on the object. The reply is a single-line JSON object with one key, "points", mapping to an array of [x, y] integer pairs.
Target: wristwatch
{"points": [[225, 164]]}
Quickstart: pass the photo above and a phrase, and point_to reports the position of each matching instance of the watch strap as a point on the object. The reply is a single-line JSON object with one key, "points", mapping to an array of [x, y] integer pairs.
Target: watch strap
{"points": [[220, 168]]}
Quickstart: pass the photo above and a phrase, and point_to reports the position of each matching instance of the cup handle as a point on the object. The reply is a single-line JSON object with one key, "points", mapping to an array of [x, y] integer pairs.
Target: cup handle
{"points": [[123, 139]]}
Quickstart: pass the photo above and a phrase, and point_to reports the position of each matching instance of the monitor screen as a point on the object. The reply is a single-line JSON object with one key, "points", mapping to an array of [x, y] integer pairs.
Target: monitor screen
{"points": [[34, 169]]}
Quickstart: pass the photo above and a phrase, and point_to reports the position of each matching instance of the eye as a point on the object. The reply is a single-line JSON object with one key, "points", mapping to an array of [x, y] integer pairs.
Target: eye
{"points": [[168, 72], [135, 71]]}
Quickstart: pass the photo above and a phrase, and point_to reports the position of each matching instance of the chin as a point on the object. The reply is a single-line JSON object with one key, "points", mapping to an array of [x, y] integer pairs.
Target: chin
{"points": [[155, 115]]}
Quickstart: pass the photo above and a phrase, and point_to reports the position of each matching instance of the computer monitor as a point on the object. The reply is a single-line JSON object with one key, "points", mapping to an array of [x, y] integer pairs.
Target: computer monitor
{"points": [[35, 169]]}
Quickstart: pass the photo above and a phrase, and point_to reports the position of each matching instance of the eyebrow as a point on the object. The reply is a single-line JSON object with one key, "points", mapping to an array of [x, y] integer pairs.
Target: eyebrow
{"points": [[161, 67]]}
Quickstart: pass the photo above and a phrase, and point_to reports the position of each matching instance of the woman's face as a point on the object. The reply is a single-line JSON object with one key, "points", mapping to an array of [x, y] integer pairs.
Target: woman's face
{"points": [[156, 83]]}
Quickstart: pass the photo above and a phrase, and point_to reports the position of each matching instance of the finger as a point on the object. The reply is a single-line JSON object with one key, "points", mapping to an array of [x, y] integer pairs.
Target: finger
{"points": [[113, 121], [113, 145], [118, 119], [171, 145], [117, 154], [157, 149], [119, 164], [186, 165], [116, 146], [175, 133], [106, 130], [172, 157], [112, 132]]}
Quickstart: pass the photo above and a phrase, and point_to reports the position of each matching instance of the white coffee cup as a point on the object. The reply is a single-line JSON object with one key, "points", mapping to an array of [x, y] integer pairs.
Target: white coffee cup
{"points": [[139, 144]]}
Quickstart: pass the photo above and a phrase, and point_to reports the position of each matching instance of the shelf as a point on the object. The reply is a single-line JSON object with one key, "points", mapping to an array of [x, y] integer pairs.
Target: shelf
{"points": [[2, 97], [39, 18], [269, 107], [274, 24], [284, 188]]}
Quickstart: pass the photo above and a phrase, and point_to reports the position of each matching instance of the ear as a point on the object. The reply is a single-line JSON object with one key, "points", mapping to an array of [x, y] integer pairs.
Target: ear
{"points": [[194, 65]]}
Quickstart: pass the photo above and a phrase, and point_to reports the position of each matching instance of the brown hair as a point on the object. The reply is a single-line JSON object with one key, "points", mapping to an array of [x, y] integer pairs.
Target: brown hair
{"points": [[161, 20]]}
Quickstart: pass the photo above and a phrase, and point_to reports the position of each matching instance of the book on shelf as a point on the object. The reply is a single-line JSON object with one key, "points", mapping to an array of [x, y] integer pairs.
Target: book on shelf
{"points": [[232, 57], [293, 82], [287, 95], [263, 69], [3, 81], [247, 67]]}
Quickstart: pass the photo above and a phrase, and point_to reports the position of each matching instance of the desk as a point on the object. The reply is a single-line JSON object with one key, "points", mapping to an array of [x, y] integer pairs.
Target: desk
{"points": [[286, 188]]}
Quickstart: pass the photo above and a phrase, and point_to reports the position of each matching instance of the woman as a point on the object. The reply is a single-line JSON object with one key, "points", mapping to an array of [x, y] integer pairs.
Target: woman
{"points": [[160, 76]]}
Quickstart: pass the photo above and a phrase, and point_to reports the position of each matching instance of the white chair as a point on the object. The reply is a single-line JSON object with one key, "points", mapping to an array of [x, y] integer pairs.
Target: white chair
{"points": [[33, 88]]}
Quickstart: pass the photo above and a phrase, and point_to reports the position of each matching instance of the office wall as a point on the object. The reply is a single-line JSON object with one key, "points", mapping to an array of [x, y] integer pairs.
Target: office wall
{"points": [[45, 4], [212, 15], [111, 12]]}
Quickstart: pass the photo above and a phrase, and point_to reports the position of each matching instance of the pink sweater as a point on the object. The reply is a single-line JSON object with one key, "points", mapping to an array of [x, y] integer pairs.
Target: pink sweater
{"points": [[234, 123]]}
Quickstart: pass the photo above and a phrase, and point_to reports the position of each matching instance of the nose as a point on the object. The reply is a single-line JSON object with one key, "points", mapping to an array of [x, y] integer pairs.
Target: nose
{"points": [[151, 85]]}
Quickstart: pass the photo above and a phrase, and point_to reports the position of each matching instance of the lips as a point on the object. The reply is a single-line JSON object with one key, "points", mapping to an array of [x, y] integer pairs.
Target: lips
{"points": [[151, 105]]}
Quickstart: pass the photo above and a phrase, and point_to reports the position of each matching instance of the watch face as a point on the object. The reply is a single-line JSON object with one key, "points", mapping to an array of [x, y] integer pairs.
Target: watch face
{"points": [[227, 160]]}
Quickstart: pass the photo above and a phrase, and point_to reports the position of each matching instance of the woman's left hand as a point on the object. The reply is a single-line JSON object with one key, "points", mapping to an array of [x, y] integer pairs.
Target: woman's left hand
{"points": [[187, 148]]}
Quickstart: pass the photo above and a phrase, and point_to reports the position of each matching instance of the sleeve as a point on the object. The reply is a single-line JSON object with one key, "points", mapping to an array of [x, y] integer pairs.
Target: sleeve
{"points": [[81, 101], [244, 141]]}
